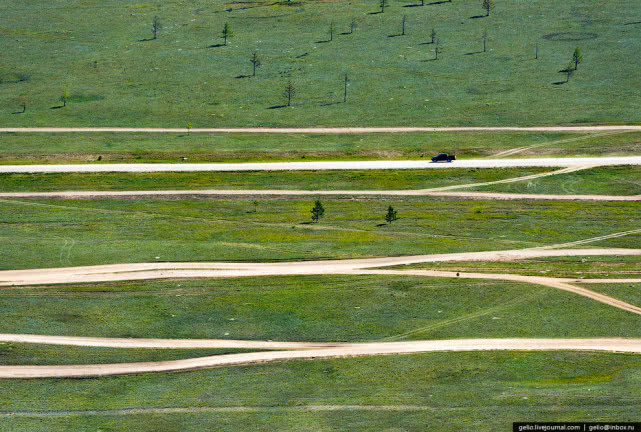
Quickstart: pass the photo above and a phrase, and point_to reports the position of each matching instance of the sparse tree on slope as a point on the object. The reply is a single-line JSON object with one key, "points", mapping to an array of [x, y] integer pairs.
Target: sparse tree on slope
{"points": [[577, 58], [317, 211], [488, 5], [227, 32], [391, 215]]}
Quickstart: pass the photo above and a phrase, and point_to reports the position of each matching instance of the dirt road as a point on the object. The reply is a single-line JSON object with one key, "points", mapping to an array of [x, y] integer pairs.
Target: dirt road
{"points": [[348, 350], [337, 165], [325, 130], [149, 271], [273, 192]]}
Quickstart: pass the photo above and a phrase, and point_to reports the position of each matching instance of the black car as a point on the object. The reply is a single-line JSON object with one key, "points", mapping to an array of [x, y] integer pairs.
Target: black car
{"points": [[443, 157]]}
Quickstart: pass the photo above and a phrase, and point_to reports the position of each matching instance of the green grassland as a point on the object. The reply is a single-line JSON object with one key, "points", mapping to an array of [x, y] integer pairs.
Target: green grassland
{"points": [[457, 391], [620, 180], [294, 180], [312, 308], [589, 267], [198, 147], [37, 354], [630, 292], [54, 233], [98, 52]]}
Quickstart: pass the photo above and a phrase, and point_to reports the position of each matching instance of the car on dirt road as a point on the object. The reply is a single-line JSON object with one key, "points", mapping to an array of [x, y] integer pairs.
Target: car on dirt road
{"points": [[443, 157]]}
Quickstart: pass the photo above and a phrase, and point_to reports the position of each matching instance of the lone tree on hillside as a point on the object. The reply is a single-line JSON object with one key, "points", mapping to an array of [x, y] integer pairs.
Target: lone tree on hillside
{"points": [[391, 215], [569, 70], [488, 5], [255, 61], [382, 4], [433, 34], [317, 211], [64, 97], [437, 49], [155, 26], [289, 92], [332, 29], [485, 40], [227, 33], [577, 58], [352, 26], [345, 90], [404, 20]]}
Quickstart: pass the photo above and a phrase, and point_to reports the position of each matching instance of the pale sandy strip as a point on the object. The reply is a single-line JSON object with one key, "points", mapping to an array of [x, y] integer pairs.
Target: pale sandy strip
{"points": [[159, 270], [354, 350], [336, 165], [207, 193]]}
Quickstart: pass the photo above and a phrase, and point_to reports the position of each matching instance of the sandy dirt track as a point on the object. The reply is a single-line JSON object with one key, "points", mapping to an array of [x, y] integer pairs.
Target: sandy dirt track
{"points": [[327, 130], [163, 270], [168, 270], [350, 350], [258, 192], [336, 165]]}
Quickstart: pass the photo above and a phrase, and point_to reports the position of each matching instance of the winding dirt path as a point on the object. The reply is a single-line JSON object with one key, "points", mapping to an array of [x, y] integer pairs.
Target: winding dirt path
{"points": [[326, 130], [168, 270], [347, 350]]}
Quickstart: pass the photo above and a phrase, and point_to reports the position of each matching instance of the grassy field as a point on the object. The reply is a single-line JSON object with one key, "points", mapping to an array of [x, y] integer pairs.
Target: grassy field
{"points": [[306, 180], [599, 267], [54, 233], [124, 147], [621, 180], [630, 292], [100, 53], [457, 391], [312, 308]]}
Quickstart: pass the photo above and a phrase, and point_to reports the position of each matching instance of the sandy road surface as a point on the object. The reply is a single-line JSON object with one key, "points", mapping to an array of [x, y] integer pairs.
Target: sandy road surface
{"points": [[328, 130], [148, 271], [337, 165], [273, 192], [162, 270], [350, 350]]}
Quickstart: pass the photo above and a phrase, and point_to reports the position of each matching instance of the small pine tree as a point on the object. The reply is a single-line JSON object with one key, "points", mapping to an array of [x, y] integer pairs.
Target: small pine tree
{"points": [[64, 98], [289, 92], [155, 26], [255, 62], [188, 127], [227, 32], [577, 58], [318, 211], [332, 29], [488, 5], [391, 215], [382, 4], [569, 70], [433, 35]]}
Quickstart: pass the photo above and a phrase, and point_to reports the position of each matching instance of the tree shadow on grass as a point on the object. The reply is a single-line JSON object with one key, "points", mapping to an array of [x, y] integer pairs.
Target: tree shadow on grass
{"points": [[302, 55], [216, 46], [345, 33], [633, 23], [426, 43], [473, 53], [374, 13], [331, 103], [413, 5], [394, 35], [381, 225], [478, 16], [242, 76], [57, 107], [559, 83], [18, 112], [145, 40], [429, 60], [322, 41], [277, 107], [437, 3]]}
